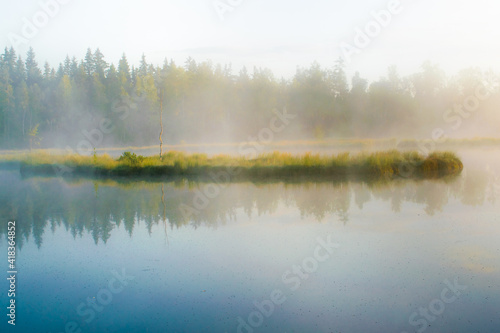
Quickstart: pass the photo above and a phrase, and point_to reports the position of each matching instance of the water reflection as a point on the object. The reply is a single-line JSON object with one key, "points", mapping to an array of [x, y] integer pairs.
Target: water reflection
{"points": [[98, 207]]}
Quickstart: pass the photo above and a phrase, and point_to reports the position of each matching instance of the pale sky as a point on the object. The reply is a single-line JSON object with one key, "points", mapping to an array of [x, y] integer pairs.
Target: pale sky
{"points": [[275, 34]]}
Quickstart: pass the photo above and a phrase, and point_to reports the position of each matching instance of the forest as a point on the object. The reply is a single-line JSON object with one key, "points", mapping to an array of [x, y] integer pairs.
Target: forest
{"points": [[47, 107]]}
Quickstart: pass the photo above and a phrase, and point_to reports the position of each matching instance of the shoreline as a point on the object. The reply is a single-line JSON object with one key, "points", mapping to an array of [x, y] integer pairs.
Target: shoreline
{"points": [[274, 166]]}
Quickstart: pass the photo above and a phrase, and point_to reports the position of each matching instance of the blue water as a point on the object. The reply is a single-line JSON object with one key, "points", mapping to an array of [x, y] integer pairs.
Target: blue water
{"points": [[98, 256]]}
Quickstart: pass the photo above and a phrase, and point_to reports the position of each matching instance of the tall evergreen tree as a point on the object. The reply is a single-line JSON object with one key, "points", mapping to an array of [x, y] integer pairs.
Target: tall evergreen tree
{"points": [[89, 63], [124, 75], [100, 65], [33, 72], [67, 66]]}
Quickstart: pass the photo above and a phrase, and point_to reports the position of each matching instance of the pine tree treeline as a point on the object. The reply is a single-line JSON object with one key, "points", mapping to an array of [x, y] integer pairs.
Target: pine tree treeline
{"points": [[203, 102]]}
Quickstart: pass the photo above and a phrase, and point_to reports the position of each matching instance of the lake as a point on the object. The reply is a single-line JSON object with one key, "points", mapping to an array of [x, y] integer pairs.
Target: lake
{"points": [[178, 256]]}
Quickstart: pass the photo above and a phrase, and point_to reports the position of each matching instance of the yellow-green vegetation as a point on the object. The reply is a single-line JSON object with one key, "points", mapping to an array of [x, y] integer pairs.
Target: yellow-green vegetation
{"points": [[275, 165]]}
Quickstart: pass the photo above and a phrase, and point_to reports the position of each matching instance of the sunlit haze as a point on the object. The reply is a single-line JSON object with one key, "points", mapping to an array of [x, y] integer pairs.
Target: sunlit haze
{"points": [[250, 166], [279, 35]]}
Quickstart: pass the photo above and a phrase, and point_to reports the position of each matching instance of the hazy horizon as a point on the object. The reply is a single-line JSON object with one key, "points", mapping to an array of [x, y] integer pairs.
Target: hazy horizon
{"points": [[280, 36]]}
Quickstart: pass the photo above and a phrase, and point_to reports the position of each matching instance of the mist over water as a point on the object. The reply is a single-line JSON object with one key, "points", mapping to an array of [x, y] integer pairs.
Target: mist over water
{"points": [[407, 237], [120, 210]]}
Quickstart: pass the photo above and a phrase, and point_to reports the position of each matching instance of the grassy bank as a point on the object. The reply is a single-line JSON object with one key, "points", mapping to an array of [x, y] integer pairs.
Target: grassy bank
{"points": [[274, 165]]}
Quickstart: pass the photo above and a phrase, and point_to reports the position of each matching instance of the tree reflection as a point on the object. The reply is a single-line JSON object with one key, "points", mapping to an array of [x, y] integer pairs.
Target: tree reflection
{"points": [[98, 207]]}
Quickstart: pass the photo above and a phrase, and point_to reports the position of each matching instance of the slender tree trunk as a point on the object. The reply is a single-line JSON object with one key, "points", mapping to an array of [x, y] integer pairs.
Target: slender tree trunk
{"points": [[164, 212], [5, 126], [161, 122], [24, 117], [7, 130]]}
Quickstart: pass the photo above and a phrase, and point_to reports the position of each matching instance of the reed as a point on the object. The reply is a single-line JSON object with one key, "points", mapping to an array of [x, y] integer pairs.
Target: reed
{"points": [[274, 165]]}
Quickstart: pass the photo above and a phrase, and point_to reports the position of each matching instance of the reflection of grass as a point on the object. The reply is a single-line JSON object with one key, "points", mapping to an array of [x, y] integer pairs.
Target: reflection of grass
{"points": [[267, 166]]}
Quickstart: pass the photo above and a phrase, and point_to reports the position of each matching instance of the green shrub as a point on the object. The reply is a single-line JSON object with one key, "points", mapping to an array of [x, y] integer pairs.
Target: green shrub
{"points": [[131, 159]]}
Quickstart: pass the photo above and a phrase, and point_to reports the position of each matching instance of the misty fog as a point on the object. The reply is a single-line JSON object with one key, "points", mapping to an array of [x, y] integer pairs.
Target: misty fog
{"points": [[118, 105]]}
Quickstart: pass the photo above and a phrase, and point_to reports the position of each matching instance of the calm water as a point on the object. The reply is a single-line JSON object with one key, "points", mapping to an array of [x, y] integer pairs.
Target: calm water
{"points": [[331, 257]]}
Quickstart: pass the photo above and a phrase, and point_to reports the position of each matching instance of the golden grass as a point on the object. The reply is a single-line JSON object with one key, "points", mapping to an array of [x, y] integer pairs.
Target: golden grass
{"points": [[274, 165]]}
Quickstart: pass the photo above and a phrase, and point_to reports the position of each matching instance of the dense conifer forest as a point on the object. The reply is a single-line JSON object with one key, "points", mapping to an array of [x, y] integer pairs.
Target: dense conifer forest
{"points": [[47, 106]]}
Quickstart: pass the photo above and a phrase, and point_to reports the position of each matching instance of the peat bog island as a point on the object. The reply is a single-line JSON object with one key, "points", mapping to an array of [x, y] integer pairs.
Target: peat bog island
{"points": [[274, 166]]}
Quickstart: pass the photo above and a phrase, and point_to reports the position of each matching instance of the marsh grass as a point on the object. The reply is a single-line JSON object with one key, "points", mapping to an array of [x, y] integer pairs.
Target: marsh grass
{"points": [[274, 165]]}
